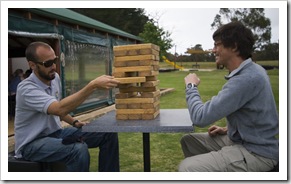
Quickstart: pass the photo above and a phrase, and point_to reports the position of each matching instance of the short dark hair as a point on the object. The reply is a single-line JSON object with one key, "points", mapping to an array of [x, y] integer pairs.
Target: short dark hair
{"points": [[30, 52], [235, 34]]}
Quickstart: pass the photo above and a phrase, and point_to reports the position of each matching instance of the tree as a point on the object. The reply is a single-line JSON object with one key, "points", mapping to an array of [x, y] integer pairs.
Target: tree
{"points": [[197, 53], [269, 52], [254, 18], [154, 34], [130, 20]]}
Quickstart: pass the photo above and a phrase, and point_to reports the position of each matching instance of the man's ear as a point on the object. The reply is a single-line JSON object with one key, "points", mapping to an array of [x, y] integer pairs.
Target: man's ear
{"points": [[32, 65], [234, 49]]}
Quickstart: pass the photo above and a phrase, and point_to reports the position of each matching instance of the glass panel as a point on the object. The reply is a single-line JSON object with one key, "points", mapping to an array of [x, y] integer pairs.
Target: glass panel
{"points": [[83, 63]]}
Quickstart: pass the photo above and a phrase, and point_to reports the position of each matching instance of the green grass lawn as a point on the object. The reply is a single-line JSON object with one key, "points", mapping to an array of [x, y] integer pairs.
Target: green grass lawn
{"points": [[212, 65], [166, 153]]}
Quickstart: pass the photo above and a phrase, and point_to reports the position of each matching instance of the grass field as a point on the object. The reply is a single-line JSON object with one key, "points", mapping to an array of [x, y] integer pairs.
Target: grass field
{"points": [[166, 152], [211, 65]]}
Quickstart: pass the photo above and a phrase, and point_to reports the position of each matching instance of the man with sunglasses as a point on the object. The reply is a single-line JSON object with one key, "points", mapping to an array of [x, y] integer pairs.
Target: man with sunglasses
{"points": [[248, 142], [39, 135]]}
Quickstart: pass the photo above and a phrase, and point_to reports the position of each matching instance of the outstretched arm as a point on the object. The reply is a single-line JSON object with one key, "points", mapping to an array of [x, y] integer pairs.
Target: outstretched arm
{"points": [[70, 103]]}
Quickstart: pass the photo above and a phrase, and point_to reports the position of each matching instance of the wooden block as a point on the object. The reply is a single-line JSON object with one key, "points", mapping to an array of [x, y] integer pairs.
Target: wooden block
{"points": [[126, 85], [135, 52], [156, 67], [148, 73], [125, 74], [144, 116], [146, 52], [150, 116], [133, 69], [149, 51], [138, 89], [121, 95], [148, 63], [137, 116], [134, 100], [119, 64], [134, 116], [134, 106], [138, 74], [150, 94], [126, 63], [120, 53], [132, 63], [136, 46], [127, 80], [151, 78], [150, 105], [125, 95], [120, 106], [138, 57], [135, 111], [135, 63], [122, 116], [150, 83]]}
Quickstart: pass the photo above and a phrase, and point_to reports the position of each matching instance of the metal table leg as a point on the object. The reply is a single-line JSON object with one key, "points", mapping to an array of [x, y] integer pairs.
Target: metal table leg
{"points": [[146, 152]]}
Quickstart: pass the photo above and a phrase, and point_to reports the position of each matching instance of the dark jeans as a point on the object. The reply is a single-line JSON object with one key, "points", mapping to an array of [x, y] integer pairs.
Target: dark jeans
{"points": [[75, 152]]}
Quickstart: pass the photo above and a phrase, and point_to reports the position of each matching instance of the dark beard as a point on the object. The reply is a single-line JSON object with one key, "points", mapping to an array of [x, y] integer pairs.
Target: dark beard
{"points": [[45, 76]]}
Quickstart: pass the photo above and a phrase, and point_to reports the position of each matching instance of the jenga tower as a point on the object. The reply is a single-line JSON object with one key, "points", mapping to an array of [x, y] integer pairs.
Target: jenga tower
{"points": [[137, 68]]}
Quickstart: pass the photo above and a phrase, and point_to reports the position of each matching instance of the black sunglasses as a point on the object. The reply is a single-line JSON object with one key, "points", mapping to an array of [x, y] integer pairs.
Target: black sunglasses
{"points": [[48, 63]]}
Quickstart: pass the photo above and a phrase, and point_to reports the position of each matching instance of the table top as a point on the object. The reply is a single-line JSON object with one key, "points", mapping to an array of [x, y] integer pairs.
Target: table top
{"points": [[169, 120]]}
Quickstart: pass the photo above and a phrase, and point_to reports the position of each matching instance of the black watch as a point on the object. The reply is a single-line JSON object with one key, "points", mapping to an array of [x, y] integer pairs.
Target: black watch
{"points": [[74, 123], [191, 85]]}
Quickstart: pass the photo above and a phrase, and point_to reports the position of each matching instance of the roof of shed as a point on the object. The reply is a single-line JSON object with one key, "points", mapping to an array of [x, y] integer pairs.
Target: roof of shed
{"points": [[70, 16]]}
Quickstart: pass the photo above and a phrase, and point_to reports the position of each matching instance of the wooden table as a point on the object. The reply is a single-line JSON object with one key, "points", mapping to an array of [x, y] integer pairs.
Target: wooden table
{"points": [[168, 121]]}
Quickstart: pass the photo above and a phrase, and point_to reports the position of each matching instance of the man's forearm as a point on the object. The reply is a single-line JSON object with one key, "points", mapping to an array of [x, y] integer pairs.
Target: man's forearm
{"points": [[70, 103]]}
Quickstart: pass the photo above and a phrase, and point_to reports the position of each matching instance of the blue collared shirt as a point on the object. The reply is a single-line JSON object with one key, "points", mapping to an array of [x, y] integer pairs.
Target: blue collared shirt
{"points": [[31, 119]]}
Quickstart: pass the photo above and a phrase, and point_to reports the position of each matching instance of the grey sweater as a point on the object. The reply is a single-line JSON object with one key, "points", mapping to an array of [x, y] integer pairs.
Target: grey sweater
{"points": [[248, 104]]}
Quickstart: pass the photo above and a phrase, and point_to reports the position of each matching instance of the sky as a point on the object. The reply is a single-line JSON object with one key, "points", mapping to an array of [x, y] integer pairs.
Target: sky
{"points": [[191, 26]]}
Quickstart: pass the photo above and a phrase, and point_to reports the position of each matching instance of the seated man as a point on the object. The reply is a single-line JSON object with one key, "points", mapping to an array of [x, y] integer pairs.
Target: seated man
{"points": [[249, 142], [39, 135]]}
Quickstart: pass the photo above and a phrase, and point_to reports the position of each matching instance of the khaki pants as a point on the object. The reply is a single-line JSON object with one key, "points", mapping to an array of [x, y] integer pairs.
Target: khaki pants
{"points": [[219, 154]]}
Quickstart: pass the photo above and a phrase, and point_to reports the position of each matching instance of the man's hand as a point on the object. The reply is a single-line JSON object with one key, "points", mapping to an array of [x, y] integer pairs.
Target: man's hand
{"points": [[192, 78], [216, 130], [79, 124], [105, 82]]}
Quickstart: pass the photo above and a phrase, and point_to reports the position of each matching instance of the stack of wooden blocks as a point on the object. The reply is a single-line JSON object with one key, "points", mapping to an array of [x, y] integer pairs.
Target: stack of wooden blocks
{"points": [[137, 68]]}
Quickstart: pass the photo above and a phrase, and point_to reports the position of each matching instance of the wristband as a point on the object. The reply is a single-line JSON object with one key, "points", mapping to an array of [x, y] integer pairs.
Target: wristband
{"points": [[74, 122]]}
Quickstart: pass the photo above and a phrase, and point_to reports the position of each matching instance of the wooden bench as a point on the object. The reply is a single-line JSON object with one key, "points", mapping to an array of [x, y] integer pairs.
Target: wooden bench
{"points": [[196, 66]]}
